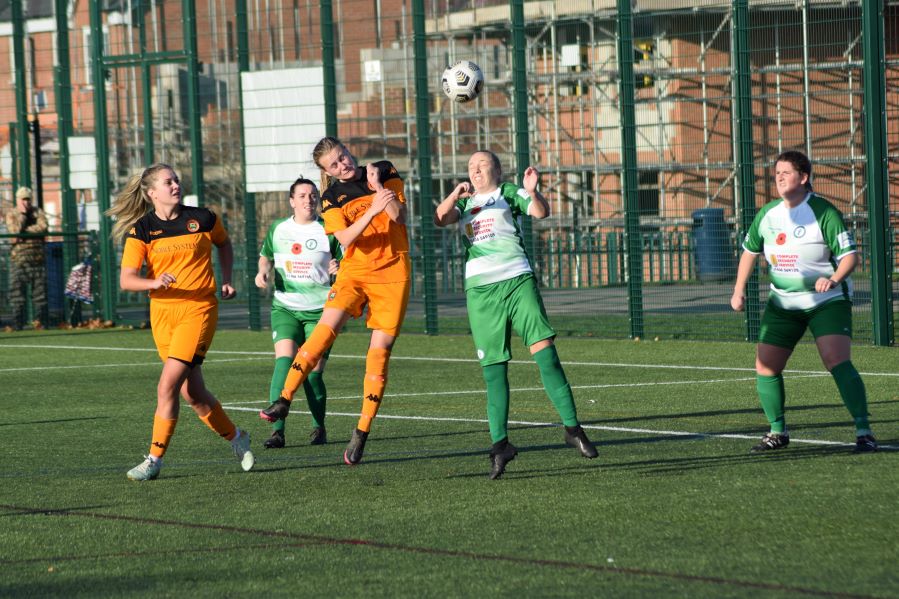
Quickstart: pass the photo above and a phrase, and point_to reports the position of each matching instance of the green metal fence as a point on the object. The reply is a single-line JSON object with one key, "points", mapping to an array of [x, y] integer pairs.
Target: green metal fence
{"points": [[648, 121]]}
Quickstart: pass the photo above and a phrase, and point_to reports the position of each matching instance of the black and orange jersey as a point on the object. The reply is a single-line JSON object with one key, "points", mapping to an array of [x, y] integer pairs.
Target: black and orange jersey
{"points": [[381, 253], [182, 247]]}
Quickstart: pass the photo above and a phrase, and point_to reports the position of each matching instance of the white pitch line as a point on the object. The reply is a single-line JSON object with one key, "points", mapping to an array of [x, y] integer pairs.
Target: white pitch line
{"points": [[432, 359], [615, 429], [540, 389]]}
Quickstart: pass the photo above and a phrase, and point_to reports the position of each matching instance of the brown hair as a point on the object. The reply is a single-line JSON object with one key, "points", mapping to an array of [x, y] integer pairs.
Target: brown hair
{"points": [[133, 202], [800, 162]]}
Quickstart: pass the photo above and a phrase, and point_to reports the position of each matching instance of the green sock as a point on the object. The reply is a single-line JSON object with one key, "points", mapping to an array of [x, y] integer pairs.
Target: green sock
{"points": [[282, 367], [497, 379], [556, 384], [317, 397], [852, 390], [772, 396]]}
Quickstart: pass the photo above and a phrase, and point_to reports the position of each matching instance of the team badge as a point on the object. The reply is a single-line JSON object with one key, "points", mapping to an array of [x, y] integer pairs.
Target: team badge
{"points": [[332, 295], [311, 244], [193, 226], [799, 232], [781, 239], [296, 249]]}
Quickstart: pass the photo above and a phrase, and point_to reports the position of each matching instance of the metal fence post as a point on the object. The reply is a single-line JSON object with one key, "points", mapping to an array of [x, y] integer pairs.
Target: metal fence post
{"points": [[745, 166], [876, 171], [633, 241]]}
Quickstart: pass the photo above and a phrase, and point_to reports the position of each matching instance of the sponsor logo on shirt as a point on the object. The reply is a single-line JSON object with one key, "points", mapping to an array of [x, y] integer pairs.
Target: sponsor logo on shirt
{"points": [[155, 233], [193, 226], [844, 239]]}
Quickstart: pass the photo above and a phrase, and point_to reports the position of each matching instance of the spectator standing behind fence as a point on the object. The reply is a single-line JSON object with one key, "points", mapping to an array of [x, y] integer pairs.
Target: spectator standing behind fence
{"points": [[303, 258], [501, 295], [26, 261], [175, 242], [365, 209], [810, 256]]}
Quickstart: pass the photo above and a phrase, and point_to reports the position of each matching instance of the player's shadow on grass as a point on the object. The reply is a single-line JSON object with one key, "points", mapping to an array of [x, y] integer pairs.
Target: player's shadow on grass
{"points": [[27, 422], [704, 414]]}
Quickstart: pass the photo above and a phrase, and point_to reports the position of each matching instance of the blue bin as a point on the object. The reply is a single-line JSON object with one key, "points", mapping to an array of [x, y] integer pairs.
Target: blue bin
{"points": [[711, 245]]}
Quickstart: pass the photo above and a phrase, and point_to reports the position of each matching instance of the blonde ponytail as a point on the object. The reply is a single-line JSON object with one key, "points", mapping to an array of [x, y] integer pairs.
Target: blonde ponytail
{"points": [[133, 202]]}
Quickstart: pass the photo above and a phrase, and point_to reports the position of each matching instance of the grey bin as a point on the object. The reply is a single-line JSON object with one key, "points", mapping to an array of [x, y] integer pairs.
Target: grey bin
{"points": [[712, 245]]}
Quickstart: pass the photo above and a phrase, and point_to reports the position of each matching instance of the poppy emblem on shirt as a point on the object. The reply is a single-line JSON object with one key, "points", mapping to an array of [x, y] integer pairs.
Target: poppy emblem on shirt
{"points": [[296, 249], [781, 239], [193, 226], [476, 210], [311, 244]]}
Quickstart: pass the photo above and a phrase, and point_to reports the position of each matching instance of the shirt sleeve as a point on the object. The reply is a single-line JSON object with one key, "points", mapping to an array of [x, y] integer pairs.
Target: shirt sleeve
{"points": [[267, 250], [753, 241], [518, 199], [334, 220], [218, 234], [134, 253], [336, 248], [838, 238]]}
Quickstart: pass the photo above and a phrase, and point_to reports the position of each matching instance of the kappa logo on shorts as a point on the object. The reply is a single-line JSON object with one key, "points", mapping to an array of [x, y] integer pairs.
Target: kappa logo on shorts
{"points": [[296, 249], [193, 226]]}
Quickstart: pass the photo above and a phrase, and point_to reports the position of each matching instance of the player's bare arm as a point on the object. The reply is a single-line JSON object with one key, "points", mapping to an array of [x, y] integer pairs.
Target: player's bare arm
{"points": [[446, 213]]}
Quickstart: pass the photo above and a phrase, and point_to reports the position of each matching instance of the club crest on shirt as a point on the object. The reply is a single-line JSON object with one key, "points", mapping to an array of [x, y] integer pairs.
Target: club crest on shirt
{"points": [[799, 232], [193, 226], [311, 244], [296, 249]]}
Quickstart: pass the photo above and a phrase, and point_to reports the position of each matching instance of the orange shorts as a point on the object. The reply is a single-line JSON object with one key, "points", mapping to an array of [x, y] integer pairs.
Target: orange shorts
{"points": [[183, 330], [386, 302]]}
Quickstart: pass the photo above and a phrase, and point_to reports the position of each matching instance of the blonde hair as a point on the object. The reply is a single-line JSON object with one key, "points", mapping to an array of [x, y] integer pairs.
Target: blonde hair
{"points": [[325, 145], [133, 202]]}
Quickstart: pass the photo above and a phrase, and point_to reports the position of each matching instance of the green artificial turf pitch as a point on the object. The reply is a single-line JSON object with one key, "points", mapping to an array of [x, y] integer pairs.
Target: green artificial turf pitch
{"points": [[674, 506]]}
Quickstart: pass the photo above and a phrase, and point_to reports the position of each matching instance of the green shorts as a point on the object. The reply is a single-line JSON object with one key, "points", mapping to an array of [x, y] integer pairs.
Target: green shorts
{"points": [[784, 328], [496, 309], [296, 325]]}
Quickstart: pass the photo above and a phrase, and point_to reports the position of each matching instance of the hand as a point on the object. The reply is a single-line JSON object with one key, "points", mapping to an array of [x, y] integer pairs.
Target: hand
{"points": [[261, 280], [228, 291], [333, 266], [163, 281], [374, 177], [463, 190], [824, 284], [738, 301], [530, 179], [382, 198]]}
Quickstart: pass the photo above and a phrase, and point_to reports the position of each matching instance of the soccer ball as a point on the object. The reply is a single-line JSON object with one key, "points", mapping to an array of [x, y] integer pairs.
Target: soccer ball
{"points": [[463, 81]]}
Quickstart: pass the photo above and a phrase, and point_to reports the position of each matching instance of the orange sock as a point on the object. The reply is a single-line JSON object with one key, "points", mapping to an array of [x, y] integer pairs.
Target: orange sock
{"points": [[218, 421], [307, 357], [163, 429], [373, 387]]}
